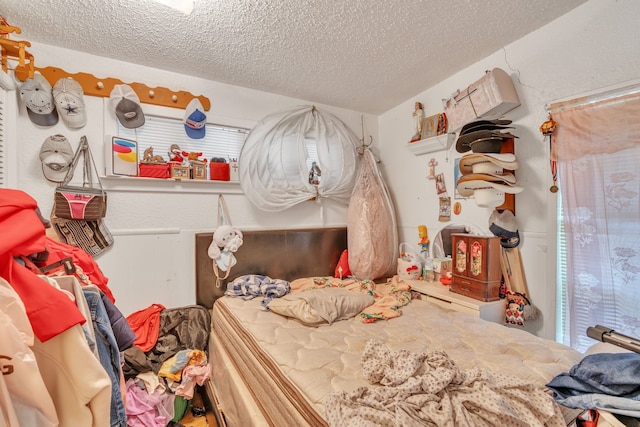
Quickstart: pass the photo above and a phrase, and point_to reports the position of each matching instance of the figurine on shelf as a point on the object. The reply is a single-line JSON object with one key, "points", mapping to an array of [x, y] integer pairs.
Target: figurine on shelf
{"points": [[423, 234], [175, 154], [314, 174], [193, 156], [418, 117], [150, 158]]}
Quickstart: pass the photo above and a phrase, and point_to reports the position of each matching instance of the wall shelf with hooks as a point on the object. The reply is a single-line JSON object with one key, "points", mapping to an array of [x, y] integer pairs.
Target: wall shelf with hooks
{"points": [[95, 86]]}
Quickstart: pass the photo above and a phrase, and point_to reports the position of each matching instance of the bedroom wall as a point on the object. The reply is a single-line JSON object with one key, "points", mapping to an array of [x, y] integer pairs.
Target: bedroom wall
{"points": [[592, 47], [152, 260]]}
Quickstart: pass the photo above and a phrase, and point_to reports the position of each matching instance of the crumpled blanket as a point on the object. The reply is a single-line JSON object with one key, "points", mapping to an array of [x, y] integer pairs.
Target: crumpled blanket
{"points": [[388, 297], [428, 389], [251, 286]]}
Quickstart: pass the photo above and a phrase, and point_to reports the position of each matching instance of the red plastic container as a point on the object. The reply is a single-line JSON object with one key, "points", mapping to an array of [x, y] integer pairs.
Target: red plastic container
{"points": [[154, 171], [219, 171]]}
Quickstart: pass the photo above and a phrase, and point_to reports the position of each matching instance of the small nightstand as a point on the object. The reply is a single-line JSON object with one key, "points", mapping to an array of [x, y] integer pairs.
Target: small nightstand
{"points": [[439, 294]]}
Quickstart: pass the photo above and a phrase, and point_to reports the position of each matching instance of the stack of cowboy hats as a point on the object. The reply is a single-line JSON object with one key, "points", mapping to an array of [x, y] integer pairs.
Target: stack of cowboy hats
{"points": [[484, 171]]}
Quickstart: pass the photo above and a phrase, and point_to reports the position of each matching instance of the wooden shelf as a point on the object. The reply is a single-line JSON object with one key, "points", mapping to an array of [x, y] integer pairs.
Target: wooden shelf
{"points": [[430, 145], [439, 294]]}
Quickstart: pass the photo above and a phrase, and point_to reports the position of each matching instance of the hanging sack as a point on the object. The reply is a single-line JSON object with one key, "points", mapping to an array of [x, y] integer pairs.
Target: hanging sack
{"points": [[226, 240], [92, 236], [86, 202], [409, 265]]}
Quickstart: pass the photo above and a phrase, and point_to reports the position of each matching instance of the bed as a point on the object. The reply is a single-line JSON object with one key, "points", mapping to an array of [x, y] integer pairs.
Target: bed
{"points": [[273, 370]]}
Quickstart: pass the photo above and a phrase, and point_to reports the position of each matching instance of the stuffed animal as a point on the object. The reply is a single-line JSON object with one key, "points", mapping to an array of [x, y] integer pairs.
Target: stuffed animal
{"points": [[226, 240], [149, 157], [174, 154], [193, 156]]}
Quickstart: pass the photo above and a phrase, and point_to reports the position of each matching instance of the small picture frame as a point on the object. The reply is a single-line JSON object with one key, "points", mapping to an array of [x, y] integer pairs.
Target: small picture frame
{"points": [[180, 172], [123, 157], [198, 170]]}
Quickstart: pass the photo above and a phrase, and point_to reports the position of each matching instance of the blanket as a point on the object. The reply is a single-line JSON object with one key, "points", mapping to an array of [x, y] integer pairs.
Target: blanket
{"points": [[388, 297], [428, 389], [253, 285]]}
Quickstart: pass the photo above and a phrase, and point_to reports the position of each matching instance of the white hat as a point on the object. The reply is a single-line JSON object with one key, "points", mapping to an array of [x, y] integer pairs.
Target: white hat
{"points": [[195, 120], [483, 162], [56, 155], [67, 94], [488, 197], [36, 95], [127, 106], [467, 188], [502, 178]]}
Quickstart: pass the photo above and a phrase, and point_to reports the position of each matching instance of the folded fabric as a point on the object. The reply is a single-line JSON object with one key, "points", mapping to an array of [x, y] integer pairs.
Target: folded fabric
{"points": [[602, 381]]}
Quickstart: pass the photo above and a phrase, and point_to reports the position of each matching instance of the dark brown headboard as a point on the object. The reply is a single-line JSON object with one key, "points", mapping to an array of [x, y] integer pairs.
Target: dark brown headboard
{"points": [[279, 254]]}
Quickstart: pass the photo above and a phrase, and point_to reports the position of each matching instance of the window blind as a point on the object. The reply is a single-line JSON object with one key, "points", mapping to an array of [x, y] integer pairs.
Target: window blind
{"points": [[161, 132]]}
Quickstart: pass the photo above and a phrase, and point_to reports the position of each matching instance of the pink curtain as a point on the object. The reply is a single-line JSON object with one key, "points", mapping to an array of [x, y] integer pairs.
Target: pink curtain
{"points": [[597, 147]]}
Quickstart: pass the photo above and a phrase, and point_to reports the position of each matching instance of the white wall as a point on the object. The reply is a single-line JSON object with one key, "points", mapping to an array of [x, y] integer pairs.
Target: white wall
{"points": [[592, 47], [152, 260]]}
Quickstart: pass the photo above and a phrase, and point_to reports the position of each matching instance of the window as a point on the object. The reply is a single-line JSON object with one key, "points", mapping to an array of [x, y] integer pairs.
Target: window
{"points": [[160, 133], [598, 228]]}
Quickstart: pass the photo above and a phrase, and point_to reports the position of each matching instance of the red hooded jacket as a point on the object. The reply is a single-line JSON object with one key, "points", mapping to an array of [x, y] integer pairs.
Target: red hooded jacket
{"points": [[22, 234]]}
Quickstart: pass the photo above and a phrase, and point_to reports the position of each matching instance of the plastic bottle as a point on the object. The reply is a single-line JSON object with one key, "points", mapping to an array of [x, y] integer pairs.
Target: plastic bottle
{"points": [[427, 270]]}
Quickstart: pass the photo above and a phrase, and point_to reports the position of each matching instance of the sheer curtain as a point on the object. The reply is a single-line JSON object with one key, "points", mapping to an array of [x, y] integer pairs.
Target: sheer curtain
{"points": [[597, 149]]}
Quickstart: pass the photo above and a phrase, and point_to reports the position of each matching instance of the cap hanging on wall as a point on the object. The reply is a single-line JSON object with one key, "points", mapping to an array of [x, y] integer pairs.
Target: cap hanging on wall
{"points": [[127, 106], [56, 155], [503, 224], [37, 95], [69, 102], [195, 120]]}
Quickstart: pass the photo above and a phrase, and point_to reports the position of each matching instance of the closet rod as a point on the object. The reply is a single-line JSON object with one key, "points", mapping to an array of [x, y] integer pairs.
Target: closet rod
{"points": [[590, 99]]}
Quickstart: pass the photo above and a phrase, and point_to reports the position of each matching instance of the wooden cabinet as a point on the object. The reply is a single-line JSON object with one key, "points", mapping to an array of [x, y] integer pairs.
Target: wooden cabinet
{"points": [[476, 266], [439, 294]]}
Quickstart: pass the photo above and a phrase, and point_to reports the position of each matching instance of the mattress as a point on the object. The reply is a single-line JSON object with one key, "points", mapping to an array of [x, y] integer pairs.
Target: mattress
{"points": [[273, 370]]}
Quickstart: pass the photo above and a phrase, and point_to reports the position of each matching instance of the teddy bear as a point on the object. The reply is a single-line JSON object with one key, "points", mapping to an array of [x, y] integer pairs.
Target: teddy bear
{"points": [[226, 240]]}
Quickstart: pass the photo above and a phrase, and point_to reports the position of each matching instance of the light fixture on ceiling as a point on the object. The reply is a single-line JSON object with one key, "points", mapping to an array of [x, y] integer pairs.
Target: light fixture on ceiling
{"points": [[184, 6]]}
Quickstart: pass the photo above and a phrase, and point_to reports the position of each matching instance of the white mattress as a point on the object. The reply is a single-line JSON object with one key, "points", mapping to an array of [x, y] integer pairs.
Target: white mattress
{"points": [[287, 369]]}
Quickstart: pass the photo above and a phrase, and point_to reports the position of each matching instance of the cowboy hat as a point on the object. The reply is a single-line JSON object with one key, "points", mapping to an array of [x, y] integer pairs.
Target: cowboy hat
{"points": [[484, 162]]}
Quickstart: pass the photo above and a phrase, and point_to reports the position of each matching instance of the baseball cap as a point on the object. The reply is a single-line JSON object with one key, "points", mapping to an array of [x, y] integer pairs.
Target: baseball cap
{"points": [[36, 95], [195, 120], [127, 106], [56, 155], [69, 101], [503, 224]]}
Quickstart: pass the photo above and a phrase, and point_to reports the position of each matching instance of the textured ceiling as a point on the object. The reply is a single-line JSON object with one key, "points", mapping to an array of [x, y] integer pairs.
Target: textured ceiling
{"points": [[365, 55]]}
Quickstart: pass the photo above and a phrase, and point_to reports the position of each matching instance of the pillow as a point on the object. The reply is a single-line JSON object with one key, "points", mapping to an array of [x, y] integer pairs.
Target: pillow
{"points": [[318, 306]]}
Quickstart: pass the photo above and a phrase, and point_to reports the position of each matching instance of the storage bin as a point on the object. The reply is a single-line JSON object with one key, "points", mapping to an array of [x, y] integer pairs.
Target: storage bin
{"points": [[219, 171], [491, 97], [154, 171]]}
